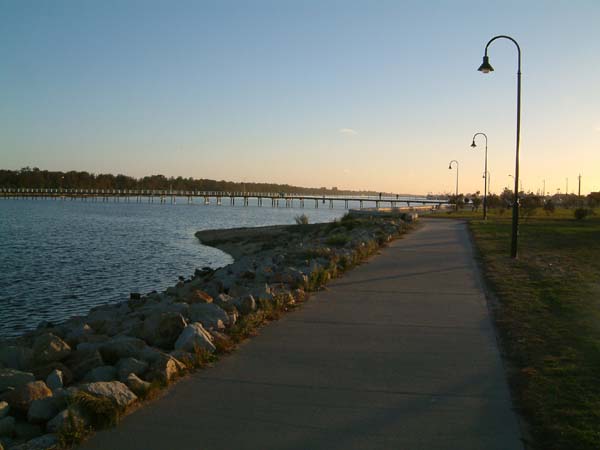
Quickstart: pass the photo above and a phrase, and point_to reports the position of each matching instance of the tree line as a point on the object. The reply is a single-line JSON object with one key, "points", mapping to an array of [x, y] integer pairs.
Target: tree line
{"points": [[34, 178], [528, 201]]}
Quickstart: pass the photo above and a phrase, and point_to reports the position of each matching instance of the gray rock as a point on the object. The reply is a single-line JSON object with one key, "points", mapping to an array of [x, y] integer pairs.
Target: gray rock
{"points": [[138, 386], [24, 430], [209, 315], [165, 367], [57, 421], [128, 366], [42, 410], [121, 347], [198, 296], [114, 390], [104, 319], [7, 426], [4, 409], [40, 443], [193, 337], [78, 331], [102, 373], [238, 291], [62, 418], [49, 348], [14, 378], [55, 380], [22, 397], [262, 292], [16, 357], [245, 305], [82, 361], [62, 397], [162, 329]]}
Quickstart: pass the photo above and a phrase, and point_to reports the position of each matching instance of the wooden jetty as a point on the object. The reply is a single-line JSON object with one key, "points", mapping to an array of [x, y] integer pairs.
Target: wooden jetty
{"points": [[217, 197]]}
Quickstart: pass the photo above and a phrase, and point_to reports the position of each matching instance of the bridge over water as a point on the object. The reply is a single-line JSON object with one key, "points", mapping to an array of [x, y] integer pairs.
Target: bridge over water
{"points": [[217, 197]]}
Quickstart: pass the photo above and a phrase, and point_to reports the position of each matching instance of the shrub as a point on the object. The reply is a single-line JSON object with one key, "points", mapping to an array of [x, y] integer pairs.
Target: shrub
{"points": [[302, 219], [582, 213], [337, 240], [549, 207], [101, 411]]}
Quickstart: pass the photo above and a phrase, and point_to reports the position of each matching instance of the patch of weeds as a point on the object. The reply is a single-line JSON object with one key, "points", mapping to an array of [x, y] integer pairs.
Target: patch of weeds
{"points": [[317, 279], [73, 432], [153, 391], [302, 219], [202, 358], [337, 240], [102, 412]]}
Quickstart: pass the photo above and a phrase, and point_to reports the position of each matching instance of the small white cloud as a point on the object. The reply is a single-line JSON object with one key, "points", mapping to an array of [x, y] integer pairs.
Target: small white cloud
{"points": [[347, 171], [597, 128], [348, 131]]}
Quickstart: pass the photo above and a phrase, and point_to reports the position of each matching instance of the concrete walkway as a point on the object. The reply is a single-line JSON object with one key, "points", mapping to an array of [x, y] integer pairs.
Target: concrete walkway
{"points": [[399, 353]]}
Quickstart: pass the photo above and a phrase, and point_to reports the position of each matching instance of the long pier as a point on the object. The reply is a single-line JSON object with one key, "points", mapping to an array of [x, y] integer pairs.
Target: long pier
{"points": [[215, 197]]}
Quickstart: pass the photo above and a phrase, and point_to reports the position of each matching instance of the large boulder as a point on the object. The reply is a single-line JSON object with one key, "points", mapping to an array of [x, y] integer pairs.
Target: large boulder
{"points": [[25, 430], [4, 409], [102, 373], [198, 296], [39, 443], [54, 380], [16, 357], [7, 426], [42, 410], [105, 319], [165, 367], [209, 315], [42, 372], [81, 362], [127, 366], [116, 391], [121, 347], [62, 418], [49, 348], [12, 378], [194, 337], [162, 329], [245, 305], [78, 331], [138, 386], [22, 397]]}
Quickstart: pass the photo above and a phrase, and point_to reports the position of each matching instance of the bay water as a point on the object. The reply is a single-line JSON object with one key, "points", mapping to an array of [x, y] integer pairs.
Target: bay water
{"points": [[59, 258]]}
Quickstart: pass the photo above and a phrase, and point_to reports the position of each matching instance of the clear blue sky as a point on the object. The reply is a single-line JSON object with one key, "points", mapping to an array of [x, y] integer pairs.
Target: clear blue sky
{"points": [[356, 94]]}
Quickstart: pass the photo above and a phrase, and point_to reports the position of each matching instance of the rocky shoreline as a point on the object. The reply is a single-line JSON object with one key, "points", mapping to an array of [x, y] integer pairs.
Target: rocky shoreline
{"points": [[61, 381]]}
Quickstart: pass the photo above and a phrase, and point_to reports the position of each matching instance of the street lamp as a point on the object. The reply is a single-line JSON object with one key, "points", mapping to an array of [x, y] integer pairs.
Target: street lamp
{"points": [[486, 67], [450, 167], [485, 173]]}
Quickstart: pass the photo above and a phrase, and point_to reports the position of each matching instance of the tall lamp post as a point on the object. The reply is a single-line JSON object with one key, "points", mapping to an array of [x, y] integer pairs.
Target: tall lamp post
{"points": [[450, 167], [485, 173], [487, 68]]}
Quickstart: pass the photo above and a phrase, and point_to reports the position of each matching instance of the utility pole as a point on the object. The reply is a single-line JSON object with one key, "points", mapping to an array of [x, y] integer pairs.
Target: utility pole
{"points": [[579, 189], [567, 189], [544, 190]]}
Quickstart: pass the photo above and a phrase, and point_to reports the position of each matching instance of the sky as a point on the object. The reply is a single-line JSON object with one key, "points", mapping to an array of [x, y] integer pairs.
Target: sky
{"points": [[376, 95]]}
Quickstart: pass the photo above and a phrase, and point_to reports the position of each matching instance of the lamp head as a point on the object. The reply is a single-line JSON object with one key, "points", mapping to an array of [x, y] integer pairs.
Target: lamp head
{"points": [[450, 166], [473, 144], [485, 66]]}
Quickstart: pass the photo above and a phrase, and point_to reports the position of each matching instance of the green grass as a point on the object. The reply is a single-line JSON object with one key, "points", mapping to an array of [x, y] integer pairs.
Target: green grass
{"points": [[548, 316]]}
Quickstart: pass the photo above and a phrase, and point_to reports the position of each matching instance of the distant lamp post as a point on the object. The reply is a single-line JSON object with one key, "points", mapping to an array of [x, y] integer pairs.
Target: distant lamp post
{"points": [[450, 167], [486, 67], [485, 172]]}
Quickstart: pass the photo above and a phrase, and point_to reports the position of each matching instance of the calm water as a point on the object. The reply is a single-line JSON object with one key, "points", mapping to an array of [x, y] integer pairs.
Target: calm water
{"points": [[59, 258]]}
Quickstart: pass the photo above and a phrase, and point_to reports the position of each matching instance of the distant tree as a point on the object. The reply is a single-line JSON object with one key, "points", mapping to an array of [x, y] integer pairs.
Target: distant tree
{"points": [[549, 206]]}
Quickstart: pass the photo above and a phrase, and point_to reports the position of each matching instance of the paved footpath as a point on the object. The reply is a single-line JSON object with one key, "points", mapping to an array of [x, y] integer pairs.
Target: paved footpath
{"points": [[399, 353]]}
